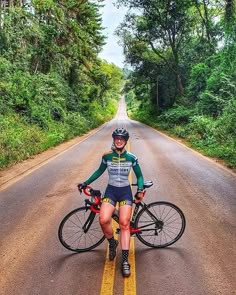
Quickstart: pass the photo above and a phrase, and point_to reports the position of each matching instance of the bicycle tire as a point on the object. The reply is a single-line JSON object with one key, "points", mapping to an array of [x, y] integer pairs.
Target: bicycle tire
{"points": [[172, 227], [72, 235]]}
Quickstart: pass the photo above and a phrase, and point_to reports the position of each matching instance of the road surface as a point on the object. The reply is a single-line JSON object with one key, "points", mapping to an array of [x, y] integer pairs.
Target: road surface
{"points": [[36, 194]]}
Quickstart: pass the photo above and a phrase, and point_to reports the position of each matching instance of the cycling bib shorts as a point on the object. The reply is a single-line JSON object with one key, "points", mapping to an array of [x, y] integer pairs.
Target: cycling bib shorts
{"points": [[120, 195]]}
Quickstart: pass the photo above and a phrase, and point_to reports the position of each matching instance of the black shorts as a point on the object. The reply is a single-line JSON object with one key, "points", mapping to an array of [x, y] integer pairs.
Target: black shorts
{"points": [[121, 195]]}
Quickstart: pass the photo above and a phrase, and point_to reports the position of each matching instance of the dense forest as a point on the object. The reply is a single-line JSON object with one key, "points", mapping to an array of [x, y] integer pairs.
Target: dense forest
{"points": [[53, 86], [183, 59], [180, 74]]}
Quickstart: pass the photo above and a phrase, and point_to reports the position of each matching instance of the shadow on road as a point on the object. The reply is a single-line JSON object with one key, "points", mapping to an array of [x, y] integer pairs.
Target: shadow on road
{"points": [[89, 257]]}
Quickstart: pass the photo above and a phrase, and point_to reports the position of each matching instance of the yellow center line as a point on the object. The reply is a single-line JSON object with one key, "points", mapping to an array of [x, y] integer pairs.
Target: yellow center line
{"points": [[110, 266], [130, 282], [109, 270]]}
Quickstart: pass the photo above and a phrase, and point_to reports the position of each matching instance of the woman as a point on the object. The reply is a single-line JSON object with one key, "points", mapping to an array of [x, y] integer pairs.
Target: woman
{"points": [[118, 162]]}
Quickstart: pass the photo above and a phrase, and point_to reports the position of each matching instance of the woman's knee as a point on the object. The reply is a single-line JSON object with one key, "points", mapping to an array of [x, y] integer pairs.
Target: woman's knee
{"points": [[105, 214], [124, 224], [104, 220]]}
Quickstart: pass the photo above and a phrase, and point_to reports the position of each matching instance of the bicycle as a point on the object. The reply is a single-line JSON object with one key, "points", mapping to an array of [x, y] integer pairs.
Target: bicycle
{"points": [[157, 225]]}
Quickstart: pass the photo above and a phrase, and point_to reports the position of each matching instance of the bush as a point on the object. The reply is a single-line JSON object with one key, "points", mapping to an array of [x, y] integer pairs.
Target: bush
{"points": [[221, 89], [18, 141], [76, 124], [5, 67], [176, 116], [225, 130], [203, 126]]}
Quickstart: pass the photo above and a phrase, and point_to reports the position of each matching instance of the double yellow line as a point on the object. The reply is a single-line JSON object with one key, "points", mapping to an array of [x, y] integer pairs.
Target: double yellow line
{"points": [[108, 278]]}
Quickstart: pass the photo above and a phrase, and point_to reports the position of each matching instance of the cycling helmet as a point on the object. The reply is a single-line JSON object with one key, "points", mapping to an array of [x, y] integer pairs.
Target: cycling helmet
{"points": [[121, 132]]}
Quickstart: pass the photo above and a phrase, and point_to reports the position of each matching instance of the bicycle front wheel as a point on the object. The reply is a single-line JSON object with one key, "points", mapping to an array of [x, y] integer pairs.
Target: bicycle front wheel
{"points": [[80, 230], [161, 224]]}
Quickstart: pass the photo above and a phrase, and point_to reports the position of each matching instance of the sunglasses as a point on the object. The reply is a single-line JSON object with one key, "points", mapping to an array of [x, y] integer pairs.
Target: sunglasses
{"points": [[119, 138]]}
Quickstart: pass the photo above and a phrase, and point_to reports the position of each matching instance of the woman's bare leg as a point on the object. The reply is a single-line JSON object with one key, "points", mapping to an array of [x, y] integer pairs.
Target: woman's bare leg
{"points": [[105, 217], [125, 212]]}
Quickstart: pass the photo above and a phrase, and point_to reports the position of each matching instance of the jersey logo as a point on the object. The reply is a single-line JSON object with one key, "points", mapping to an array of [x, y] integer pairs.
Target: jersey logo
{"points": [[117, 159]]}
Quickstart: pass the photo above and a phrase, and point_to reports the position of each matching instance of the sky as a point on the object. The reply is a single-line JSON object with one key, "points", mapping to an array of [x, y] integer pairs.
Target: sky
{"points": [[112, 17]]}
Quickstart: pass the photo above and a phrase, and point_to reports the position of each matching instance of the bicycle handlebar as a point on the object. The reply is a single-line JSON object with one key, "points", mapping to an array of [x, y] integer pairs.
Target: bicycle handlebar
{"points": [[88, 191], [146, 184]]}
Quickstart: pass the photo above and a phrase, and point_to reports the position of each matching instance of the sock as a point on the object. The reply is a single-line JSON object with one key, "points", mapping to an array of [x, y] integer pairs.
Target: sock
{"points": [[111, 242], [125, 255]]}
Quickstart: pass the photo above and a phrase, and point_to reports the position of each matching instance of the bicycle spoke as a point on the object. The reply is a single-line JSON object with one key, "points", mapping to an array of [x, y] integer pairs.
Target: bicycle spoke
{"points": [[74, 236], [168, 228]]}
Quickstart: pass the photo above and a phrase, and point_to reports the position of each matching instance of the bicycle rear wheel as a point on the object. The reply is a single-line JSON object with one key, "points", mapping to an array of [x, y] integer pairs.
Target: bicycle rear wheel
{"points": [[161, 224], [80, 230]]}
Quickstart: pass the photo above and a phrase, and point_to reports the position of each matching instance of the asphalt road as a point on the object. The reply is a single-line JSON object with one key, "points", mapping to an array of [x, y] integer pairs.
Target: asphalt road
{"points": [[35, 196]]}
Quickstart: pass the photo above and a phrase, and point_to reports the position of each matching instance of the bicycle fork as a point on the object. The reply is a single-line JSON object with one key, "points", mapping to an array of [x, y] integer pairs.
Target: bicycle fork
{"points": [[88, 222]]}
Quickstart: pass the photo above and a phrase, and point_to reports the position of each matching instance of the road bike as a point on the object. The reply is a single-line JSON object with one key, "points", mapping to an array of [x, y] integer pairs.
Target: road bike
{"points": [[157, 225]]}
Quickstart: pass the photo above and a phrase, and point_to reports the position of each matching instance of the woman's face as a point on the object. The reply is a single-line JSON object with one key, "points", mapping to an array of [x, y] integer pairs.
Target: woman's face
{"points": [[119, 142]]}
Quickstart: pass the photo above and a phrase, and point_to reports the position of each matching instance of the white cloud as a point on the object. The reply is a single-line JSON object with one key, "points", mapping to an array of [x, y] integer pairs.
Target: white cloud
{"points": [[112, 17]]}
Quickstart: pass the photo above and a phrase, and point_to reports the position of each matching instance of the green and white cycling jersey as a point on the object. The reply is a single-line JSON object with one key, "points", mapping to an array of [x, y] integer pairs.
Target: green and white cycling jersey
{"points": [[118, 166]]}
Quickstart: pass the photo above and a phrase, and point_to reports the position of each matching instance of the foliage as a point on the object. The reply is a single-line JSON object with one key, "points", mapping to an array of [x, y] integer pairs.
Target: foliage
{"points": [[220, 91], [176, 116], [18, 140], [215, 138], [53, 86], [202, 59], [197, 81], [157, 34], [226, 124]]}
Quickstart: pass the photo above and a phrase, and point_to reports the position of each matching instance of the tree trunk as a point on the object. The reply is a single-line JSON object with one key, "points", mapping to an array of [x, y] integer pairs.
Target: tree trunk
{"points": [[3, 5], [177, 73], [157, 94], [206, 23], [180, 84]]}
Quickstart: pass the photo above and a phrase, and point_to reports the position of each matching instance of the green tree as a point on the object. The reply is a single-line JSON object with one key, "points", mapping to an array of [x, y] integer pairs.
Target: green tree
{"points": [[163, 26]]}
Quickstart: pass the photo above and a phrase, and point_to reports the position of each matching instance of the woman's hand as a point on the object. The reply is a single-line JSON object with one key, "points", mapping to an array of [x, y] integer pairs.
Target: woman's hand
{"points": [[139, 195], [81, 186]]}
